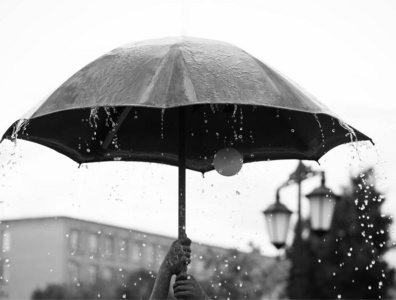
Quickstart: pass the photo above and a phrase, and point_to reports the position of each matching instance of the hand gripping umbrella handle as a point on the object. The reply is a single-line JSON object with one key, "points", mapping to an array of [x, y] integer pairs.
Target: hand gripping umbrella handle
{"points": [[184, 269]]}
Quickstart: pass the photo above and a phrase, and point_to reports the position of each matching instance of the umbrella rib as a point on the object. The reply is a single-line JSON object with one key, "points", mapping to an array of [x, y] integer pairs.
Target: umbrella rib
{"points": [[125, 112], [188, 72], [113, 132]]}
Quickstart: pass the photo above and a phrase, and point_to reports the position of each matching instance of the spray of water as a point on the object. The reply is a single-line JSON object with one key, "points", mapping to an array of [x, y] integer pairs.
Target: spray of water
{"points": [[19, 128]]}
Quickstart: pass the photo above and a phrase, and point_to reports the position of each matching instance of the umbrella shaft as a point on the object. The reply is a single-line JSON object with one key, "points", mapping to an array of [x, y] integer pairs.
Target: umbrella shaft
{"points": [[182, 173]]}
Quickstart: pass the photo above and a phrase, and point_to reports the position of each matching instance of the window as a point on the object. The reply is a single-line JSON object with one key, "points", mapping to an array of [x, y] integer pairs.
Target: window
{"points": [[123, 248], [108, 245], [93, 243], [107, 274], [73, 270], [92, 274], [161, 253], [74, 239], [5, 268], [6, 241], [148, 253], [122, 276], [135, 252]]}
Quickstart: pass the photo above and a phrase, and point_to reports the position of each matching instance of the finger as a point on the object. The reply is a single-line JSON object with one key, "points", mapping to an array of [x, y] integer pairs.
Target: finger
{"points": [[180, 284], [187, 248], [182, 288], [182, 277], [181, 294], [185, 241]]}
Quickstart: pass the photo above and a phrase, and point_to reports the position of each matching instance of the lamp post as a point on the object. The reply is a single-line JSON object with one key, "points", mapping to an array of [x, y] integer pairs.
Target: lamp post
{"points": [[277, 216]]}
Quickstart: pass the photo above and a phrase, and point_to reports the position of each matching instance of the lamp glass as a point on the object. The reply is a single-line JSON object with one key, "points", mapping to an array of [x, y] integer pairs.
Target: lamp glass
{"points": [[322, 210], [278, 226]]}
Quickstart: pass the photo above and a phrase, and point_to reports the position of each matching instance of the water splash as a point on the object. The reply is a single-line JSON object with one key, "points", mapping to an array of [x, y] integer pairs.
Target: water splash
{"points": [[321, 129], [351, 133], [19, 128], [317, 120], [235, 111], [109, 118], [213, 108], [93, 117]]}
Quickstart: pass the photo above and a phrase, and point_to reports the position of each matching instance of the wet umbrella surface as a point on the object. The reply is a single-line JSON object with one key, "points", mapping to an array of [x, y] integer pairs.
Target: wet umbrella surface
{"points": [[178, 101]]}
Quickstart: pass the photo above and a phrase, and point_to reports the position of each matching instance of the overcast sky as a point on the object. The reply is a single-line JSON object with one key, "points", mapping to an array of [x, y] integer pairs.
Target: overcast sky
{"points": [[343, 52]]}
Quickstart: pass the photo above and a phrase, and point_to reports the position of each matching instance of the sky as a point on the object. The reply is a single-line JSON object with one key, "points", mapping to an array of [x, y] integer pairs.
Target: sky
{"points": [[343, 52]]}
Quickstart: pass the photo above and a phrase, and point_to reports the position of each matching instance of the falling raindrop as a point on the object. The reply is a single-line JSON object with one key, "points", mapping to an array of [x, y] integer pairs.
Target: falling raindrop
{"points": [[93, 117], [162, 123]]}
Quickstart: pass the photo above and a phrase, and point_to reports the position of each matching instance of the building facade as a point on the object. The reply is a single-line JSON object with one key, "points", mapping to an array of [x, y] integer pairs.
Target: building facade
{"points": [[57, 250]]}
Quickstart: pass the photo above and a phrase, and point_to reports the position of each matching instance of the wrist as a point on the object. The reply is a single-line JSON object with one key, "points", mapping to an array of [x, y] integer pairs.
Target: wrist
{"points": [[165, 270]]}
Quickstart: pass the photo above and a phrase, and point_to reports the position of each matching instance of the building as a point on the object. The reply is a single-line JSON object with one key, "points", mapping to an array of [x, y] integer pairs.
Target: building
{"points": [[39, 251]]}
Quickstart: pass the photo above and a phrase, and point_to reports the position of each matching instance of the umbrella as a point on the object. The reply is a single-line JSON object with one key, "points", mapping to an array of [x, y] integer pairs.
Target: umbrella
{"points": [[178, 101]]}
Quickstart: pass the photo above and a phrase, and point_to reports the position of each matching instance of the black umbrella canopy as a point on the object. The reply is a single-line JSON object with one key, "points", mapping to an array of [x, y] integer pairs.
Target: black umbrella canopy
{"points": [[126, 106]]}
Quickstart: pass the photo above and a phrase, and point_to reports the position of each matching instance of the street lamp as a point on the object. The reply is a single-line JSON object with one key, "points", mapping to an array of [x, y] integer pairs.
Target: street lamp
{"points": [[278, 218], [322, 203]]}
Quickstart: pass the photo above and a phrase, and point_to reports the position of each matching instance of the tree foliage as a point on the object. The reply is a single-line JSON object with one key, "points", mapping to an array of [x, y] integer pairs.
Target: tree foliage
{"points": [[100, 290], [138, 285], [348, 262], [237, 275]]}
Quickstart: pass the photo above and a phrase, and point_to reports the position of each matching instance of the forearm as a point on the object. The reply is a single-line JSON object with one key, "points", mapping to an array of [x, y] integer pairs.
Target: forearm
{"points": [[161, 285]]}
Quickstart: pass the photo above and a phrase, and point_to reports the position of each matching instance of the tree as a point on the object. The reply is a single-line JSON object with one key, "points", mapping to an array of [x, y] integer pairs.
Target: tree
{"points": [[348, 262], [100, 290], [238, 275]]}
